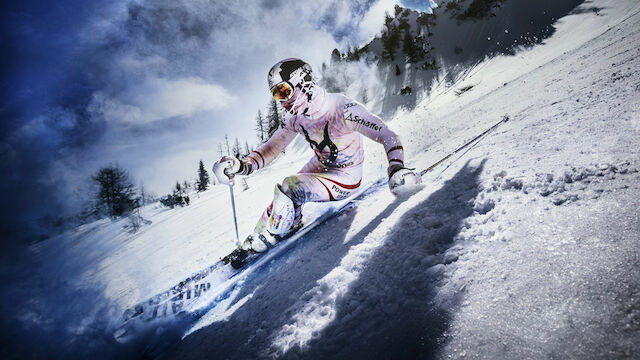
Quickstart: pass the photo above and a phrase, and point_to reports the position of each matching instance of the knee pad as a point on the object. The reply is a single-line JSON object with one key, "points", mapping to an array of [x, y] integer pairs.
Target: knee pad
{"points": [[282, 213]]}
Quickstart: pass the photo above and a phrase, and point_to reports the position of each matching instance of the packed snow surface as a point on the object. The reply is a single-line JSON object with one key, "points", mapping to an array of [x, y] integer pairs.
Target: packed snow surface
{"points": [[524, 245]]}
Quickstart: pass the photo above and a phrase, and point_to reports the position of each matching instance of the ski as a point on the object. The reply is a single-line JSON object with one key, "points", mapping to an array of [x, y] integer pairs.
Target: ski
{"points": [[240, 258], [209, 286]]}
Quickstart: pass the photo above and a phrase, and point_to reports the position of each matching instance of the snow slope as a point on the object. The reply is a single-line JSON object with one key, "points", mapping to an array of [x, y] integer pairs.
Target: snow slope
{"points": [[456, 36], [523, 246]]}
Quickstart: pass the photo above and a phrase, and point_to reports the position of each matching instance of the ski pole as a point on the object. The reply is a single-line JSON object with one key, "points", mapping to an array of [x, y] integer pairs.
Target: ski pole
{"points": [[233, 208], [220, 174], [505, 118]]}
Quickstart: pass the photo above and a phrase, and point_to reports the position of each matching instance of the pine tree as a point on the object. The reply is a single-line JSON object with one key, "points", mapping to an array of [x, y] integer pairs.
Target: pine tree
{"points": [[143, 195], [388, 20], [409, 47], [236, 148], [220, 150], [398, 72], [226, 141], [273, 117], [246, 148], [203, 178], [397, 10], [390, 40], [404, 25], [116, 193], [261, 127]]}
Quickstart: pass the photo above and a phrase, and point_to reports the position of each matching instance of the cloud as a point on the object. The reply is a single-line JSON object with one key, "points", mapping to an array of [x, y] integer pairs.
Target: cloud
{"points": [[158, 99], [373, 21]]}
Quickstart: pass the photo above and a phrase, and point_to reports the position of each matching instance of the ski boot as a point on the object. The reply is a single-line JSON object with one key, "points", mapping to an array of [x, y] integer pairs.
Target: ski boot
{"points": [[264, 240], [258, 243], [253, 245], [279, 221]]}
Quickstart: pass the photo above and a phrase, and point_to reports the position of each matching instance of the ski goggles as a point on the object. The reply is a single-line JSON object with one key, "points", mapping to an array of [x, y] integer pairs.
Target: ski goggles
{"points": [[282, 91]]}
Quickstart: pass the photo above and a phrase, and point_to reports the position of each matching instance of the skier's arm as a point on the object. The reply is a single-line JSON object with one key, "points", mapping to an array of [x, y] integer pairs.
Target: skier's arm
{"points": [[359, 119], [267, 152]]}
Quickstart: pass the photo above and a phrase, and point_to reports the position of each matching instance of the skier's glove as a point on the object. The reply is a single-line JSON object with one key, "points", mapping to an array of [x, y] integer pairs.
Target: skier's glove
{"points": [[234, 165], [400, 175], [225, 169]]}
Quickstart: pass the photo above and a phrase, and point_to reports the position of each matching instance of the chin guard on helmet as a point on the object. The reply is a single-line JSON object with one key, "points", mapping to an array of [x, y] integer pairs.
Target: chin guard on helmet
{"points": [[282, 213]]}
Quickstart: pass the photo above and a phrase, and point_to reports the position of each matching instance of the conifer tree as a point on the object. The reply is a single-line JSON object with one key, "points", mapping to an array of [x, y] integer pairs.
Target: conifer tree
{"points": [[397, 10], [273, 117], [236, 148], [203, 178], [143, 195], [116, 193], [390, 39], [261, 127], [409, 47], [246, 148]]}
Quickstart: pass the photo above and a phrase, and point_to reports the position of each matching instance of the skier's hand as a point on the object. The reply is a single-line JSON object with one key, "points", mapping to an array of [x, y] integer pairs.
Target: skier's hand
{"points": [[232, 165], [400, 176], [225, 169]]}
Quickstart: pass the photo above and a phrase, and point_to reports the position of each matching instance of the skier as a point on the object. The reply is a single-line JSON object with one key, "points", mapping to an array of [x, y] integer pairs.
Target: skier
{"points": [[332, 124]]}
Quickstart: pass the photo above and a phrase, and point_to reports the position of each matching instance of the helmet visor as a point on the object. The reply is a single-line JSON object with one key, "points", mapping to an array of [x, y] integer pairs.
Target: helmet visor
{"points": [[282, 91]]}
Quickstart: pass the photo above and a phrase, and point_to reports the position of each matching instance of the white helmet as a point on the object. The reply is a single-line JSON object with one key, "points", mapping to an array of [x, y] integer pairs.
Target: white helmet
{"points": [[288, 80]]}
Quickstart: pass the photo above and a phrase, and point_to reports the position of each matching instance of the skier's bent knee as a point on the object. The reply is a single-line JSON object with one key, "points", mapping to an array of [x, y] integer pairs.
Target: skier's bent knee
{"points": [[292, 187]]}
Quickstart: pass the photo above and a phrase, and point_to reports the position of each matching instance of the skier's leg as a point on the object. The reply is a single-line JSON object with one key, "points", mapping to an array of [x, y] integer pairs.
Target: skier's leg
{"points": [[322, 184], [314, 183]]}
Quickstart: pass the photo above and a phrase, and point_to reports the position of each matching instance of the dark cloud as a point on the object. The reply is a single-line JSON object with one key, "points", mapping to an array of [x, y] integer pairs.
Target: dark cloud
{"points": [[41, 113]]}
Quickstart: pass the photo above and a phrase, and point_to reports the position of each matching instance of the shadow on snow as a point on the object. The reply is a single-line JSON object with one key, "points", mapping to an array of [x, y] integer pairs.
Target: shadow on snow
{"points": [[389, 311]]}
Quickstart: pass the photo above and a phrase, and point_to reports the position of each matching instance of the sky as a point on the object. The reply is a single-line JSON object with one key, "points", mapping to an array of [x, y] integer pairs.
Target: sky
{"points": [[152, 86]]}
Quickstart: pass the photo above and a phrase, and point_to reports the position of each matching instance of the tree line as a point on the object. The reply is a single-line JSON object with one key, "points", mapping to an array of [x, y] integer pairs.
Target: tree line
{"points": [[399, 42], [117, 196]]}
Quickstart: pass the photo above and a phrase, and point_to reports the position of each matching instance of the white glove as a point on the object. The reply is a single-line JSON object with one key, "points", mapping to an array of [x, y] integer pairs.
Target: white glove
{"points": [[225, 169], [400, 176]]}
